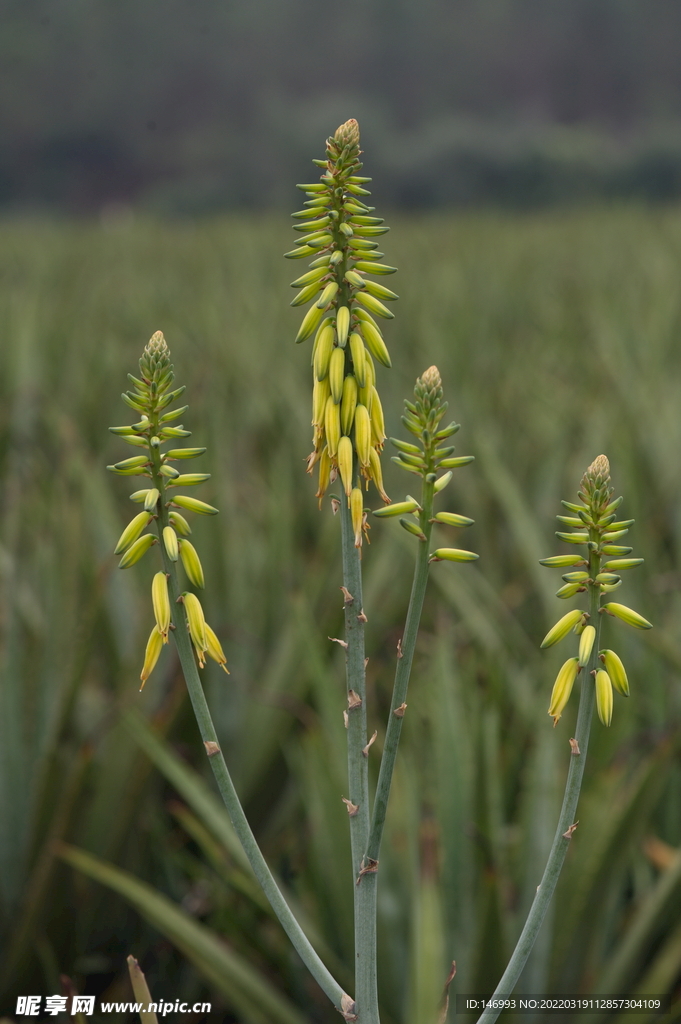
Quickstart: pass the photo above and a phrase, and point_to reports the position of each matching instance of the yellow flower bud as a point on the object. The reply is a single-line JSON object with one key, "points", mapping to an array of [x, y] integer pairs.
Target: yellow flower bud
{"points": [[344, 459], [170, 543], [616, 671], [161, 603], [342, 325], [562, 688], [196, 623], [323, 350], [562, 627], [357, 351], [332, 425], [336, 373], [363, 434], [627, 615], [348, 403], [586, 643], [180, 523], [194, 505], [192, 564], [137, 551], [604, 696], [132, 531]]}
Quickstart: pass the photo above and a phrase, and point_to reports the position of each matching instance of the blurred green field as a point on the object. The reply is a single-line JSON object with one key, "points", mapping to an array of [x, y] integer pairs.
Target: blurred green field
{"points": [[557, 337]]}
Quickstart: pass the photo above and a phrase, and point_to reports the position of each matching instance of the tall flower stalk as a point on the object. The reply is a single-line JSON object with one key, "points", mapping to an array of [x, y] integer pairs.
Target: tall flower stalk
{"points": [[177, 609], [596, 572], [348, 437]]}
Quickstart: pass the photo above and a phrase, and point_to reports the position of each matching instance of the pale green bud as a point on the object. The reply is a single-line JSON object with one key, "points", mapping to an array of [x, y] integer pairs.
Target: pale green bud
{"points": [[616, 671], [379, 291], [137, 551], [627, 615], [398, 509], [358, 360], [170, 543], [151, 497], [344, 459], [363, 434], [309, 324], [197, 624], [622, 563], [184, 453], [161, 603], [132, 531], [562, 688], [562, 628], [561, 561], [372, 304], [440, 484], [192, 564], [323, 350], [374, 342], [604, 700], [194, 505], [569, 590], [327, 295], [574, 538], [461, 460], [180, 523], [411, 527], [336, 374], [453, 555], [342, 325], [189, 479], [586, 643], [348, 403], [452, 519]]}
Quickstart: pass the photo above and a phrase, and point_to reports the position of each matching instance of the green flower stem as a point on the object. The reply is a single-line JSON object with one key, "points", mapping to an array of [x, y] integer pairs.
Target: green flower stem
{"points": [[402, 674], [322, 976], [561, 841], [366, 994]]}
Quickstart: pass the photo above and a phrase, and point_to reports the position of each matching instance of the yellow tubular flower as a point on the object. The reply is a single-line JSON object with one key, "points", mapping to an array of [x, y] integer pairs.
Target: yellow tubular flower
{"points": [[161, 603], [151, 655], [604, 696], [197, 624], [214, 649], [345, 463]]}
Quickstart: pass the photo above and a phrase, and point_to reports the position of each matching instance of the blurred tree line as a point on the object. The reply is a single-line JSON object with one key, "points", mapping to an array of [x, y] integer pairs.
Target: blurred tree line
{"points": [[196, 105]]}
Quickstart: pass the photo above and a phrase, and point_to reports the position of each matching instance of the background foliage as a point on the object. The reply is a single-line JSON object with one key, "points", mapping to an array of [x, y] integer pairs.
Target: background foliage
{"points": [[556, 336], [193, 105]]}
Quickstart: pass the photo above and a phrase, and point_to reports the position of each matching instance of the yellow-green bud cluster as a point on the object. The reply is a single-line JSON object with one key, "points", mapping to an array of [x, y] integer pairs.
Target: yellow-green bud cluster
{"points": [[425, 459], [150, 397], [338, 230], [594, 526]]}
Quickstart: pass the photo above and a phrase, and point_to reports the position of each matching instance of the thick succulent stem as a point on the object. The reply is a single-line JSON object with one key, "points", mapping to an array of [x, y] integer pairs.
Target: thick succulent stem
{"points": [[366, 996]]}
